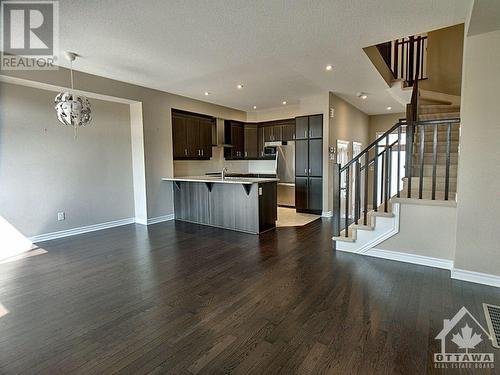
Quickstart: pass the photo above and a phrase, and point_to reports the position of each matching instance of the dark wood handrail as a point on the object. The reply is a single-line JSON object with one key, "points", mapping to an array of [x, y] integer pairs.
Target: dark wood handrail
{"points": [[373, 144]]}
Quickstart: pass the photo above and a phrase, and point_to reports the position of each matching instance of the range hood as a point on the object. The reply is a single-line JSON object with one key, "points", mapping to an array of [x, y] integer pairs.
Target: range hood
{"points": [[218, 134], [275, 143]]}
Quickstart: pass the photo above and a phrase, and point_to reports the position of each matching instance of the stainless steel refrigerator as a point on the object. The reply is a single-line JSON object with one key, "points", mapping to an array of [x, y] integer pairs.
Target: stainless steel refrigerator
{"points": [[285, 154]]}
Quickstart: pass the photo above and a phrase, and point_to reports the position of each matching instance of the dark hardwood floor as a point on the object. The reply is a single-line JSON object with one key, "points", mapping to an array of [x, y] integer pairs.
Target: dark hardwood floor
{"points": [[181, 298]]}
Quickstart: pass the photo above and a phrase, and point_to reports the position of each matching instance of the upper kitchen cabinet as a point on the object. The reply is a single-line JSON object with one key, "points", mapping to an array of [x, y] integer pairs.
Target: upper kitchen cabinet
{"points": [[316, 126], [272, 133], [307, 127], [191, 135], [234, 135], [251, 141], [288, 131], [302, 127]]}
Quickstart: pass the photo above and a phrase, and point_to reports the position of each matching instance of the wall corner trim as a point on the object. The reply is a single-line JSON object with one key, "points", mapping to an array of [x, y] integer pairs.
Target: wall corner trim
{"points": [[81, 230], [411, 258], [475, 277]]}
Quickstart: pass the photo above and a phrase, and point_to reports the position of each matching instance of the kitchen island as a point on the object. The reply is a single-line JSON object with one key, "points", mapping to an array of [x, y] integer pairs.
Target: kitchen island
{"points": [[237, 203]]}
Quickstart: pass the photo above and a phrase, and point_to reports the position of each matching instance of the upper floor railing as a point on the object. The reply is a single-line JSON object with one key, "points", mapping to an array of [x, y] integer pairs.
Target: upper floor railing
{"points": [[405, 57]]}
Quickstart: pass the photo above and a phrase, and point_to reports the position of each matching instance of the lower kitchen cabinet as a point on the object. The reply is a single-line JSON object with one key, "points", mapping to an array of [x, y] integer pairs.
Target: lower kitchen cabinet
{"points": [[315, 194], [309, 194]]}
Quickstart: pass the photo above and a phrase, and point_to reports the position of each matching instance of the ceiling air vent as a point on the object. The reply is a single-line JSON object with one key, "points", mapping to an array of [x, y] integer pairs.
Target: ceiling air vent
{"points": [[492, 314]]}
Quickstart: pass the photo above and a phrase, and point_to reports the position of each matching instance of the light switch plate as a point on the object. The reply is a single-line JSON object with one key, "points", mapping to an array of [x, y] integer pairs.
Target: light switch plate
{"points": [[61, 216]]}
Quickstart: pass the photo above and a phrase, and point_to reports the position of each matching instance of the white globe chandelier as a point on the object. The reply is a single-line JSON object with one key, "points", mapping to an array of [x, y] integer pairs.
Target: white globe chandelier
{"points": [[72, 109]]}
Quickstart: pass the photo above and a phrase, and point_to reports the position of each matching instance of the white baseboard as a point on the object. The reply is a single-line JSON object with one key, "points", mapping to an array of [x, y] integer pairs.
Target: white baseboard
{"points": [[81, 230], [411, 258], [100, 226], [475, 277], [160, 219], [141, 221], [327, 214]]}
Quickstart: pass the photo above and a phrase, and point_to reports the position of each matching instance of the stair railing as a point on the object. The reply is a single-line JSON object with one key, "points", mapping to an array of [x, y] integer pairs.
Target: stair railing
{"points": [[353, 183], [405, 56], [352, 200]]}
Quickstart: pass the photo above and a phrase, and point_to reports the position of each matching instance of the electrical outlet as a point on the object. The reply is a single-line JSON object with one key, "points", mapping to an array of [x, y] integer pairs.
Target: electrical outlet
{"points": [[61, 216]]}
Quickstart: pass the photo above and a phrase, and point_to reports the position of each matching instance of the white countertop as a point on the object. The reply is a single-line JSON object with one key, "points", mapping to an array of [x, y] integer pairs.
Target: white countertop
{"points": [[217, 179]]}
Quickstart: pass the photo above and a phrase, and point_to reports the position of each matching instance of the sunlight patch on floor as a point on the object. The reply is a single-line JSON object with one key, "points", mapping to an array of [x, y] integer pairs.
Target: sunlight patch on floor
{"points": [[12, 241], [288, 217], [3, 310], [27, 254]]}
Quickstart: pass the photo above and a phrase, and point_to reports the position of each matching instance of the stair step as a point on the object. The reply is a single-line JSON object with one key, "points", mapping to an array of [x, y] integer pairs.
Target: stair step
{"points": [[438, 116], [441, 158], [429, 147], [438, 108], [427, 183], [428, 194], [440, 170], [442, 135]]}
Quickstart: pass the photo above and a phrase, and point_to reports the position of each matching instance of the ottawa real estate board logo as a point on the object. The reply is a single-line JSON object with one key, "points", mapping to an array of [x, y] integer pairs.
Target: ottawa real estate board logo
{"points": [[468, 338], [29, 35]]}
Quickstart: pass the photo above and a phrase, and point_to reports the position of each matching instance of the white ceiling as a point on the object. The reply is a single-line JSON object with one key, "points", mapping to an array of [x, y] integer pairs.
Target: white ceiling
{"points": [[277, 49]]}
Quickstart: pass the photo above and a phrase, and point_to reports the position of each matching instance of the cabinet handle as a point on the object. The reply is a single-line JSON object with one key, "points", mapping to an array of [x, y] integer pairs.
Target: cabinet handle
{"points": [[310, 133], [201, 152], [305, 171], [305, 133], [185, 151], [293, 136], [309, 170], [246, 153]]}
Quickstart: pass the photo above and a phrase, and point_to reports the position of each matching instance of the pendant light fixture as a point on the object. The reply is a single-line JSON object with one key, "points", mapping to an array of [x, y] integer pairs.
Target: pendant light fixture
{"points": [[72, 109]]}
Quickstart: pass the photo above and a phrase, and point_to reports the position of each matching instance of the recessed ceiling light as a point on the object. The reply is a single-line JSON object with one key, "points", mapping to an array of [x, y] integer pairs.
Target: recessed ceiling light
{"points": [[284, 102], [206, 93], [362, 95], [389, 108], [329, 67], [254, 107], [240, 86]]}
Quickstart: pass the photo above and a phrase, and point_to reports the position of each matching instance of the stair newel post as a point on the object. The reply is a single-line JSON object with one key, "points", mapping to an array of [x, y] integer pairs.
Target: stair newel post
{"points": [[357, 192], [421, 161], [347, 201], [434, 161], [387, 173], [399, 162], [336, 199], [375, 179], [365, 209], [448, 149]]}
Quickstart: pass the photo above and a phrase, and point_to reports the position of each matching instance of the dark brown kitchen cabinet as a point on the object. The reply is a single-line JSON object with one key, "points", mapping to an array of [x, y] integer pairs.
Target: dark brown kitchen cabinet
{"points": [[302, 127], [316, 126], [179, 137], [191, 135], [272, 133], [301, 193], [288, 132], [251, 141], [234, 135], [260, 142], [308, 164], [301, 157]]}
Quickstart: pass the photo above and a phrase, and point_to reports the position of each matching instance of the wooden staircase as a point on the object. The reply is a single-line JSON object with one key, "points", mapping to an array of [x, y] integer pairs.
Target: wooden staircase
{"points": [[431, 112], [432, 145]]}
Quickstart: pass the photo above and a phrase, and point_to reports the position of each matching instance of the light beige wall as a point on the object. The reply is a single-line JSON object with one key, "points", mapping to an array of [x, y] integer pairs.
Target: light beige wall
{"points": [[424, 230], [348, 124], [156, 106], [444, 62], [478, 237], [44, 170], [382, 123]]}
